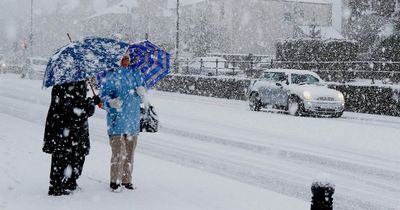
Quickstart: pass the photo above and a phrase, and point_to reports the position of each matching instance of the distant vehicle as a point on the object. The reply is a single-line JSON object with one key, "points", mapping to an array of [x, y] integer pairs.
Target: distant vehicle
{"points": [[35, 68], [3, 64], [210, 66], [300, 92]]}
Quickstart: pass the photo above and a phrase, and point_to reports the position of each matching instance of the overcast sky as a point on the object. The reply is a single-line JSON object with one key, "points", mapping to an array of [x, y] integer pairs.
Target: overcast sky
{"points": [[21, 8], [12, 9]]}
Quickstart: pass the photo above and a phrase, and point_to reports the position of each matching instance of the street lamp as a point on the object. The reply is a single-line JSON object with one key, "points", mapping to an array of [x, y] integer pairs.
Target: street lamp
{"points": [[31, 34], [27, 70]]}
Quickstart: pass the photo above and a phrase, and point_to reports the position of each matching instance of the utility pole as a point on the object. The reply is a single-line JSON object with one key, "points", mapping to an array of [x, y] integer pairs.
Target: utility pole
{"points": [[26, 71], [176, 63], [31, 33]]}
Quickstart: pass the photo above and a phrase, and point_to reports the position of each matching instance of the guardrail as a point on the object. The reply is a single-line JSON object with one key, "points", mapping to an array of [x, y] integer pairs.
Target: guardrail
{"points": [[339, 71]]}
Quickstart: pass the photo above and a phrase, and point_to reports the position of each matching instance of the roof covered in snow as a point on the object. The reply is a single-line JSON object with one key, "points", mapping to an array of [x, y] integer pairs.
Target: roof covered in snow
{"points": [[123, 7], [292, 71], [310, 1], [172, 3]]}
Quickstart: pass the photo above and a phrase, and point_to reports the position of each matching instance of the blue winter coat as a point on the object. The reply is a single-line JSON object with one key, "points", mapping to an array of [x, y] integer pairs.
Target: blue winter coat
{"points": [[122, 83]]}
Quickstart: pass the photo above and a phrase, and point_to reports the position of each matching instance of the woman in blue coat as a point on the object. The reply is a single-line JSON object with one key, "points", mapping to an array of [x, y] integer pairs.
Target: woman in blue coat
{"points": [[121, 92]]}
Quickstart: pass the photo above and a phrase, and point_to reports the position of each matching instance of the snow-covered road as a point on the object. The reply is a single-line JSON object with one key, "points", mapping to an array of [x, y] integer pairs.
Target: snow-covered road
{"points": [[269, 151]]}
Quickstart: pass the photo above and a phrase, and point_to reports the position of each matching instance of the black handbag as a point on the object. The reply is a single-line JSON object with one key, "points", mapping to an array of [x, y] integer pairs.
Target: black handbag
{"points": [[148, 119]]}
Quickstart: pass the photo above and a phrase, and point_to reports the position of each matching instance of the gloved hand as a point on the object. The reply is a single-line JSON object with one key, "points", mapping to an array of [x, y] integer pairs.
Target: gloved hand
{"points": [[96, 100], [115, 103], [141, 91]]}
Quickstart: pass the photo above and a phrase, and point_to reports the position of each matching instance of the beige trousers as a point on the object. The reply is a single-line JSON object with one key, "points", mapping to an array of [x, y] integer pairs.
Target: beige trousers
{"points": [[123, 148]]}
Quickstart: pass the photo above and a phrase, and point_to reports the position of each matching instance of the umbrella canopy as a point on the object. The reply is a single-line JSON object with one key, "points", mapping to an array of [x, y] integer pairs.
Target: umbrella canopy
{"points": [[151, 60], [82, 59]]}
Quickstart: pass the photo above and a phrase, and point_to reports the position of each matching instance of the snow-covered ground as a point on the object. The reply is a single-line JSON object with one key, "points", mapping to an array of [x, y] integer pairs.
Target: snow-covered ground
{"points": [[209, 154]]}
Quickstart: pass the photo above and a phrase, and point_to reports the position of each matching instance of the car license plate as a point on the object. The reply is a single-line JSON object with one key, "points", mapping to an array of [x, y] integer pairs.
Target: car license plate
{"points": [[325, 106]]}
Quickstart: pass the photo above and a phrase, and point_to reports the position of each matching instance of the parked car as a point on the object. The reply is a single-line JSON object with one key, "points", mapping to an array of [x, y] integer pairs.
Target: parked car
{"points": [[300, 92], [35, 68], [3, 64], [210, 66]]}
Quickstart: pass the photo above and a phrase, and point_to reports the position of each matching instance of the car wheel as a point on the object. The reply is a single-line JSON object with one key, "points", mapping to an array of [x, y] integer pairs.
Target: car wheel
{"points": [[337, 115], [295, 106], [255, 102]]}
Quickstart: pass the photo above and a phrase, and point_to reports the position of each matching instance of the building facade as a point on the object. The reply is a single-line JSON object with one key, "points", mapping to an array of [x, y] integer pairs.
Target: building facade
{"points": [[255, 26]]}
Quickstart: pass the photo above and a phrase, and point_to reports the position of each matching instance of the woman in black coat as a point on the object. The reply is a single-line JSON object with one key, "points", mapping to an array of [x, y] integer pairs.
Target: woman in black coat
{"points": [[66, 135]]}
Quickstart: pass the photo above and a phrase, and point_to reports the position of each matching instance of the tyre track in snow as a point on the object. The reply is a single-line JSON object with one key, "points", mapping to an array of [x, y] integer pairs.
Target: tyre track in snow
{"points": [[285, 151], [303, 158], [289, 154], [280, 181], [214, 163], [294, 146]]}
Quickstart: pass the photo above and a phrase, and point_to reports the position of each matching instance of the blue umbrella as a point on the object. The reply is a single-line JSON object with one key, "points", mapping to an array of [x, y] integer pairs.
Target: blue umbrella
{"points": [[82, 59], [151, 60]]}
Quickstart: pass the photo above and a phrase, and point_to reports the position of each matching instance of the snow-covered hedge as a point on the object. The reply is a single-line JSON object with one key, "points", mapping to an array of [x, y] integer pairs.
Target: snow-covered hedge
{"points": [[388, 49], [212, 86], [370, 99], [316, 50]]}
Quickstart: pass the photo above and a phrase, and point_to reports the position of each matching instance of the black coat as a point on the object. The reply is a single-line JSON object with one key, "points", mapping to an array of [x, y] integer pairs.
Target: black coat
{"points": [[67, 128]]}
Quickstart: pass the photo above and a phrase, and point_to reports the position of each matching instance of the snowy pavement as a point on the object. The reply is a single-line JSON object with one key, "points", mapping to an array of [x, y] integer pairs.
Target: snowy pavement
{"points": [[209, 154]]}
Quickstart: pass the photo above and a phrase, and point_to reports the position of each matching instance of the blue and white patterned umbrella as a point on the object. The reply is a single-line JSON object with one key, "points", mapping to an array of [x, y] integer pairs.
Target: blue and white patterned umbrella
{"points": [[82, 59], [151, 60]]}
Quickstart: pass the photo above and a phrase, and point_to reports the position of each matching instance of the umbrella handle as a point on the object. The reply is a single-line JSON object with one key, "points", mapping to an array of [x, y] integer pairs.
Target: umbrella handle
{"points": [[94, 94], [91, 87]]}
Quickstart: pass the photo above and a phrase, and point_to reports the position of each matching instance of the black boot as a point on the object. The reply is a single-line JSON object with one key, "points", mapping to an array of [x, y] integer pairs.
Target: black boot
{"points": [[57, 191], [129, 186], [71, 185], [114, 186]]}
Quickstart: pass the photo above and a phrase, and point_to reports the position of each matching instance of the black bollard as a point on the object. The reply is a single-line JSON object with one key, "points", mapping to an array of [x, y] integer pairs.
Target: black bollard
{"points": [[322, 193]]}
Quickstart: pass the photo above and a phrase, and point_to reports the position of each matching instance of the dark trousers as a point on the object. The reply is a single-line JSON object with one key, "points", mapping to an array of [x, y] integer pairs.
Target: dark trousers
{"points": [[65, 170]]}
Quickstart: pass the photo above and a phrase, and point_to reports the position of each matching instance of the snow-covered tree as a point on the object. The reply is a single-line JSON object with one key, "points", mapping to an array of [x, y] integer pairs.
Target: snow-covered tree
{"points": [[203, 32], [368, 19]]}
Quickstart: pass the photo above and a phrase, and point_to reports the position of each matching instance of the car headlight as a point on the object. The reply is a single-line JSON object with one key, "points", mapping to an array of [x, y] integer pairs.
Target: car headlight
{"points": [[341, 96], [307, 95]]}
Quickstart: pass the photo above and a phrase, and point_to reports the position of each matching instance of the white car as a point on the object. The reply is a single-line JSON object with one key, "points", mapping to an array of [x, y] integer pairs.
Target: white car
{"points": [[300, 92], [3, 64], [210, 66]]}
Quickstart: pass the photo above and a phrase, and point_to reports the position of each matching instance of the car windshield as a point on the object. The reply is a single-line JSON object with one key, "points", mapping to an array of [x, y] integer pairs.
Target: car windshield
{"points": [[302, 79], [274, 76]]}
